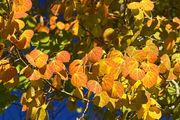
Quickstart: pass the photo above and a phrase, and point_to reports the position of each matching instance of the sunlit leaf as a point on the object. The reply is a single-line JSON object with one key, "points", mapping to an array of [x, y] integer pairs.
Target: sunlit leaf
{"points": [[107, 82], [101, 99], [150, 67], [139, 55], [37, 58], [43, 114], [56, 8], [147, 5], [60, 25], [35, 75], [137, 74], [41, 60], [19, 7], [150, 110], [171, 75], [63, 56], [152, 51], [108, 33], [177, 68], [76, 66], [56, 66], [114, 53], [134, 5], [20, 23], [165, 63], [150, 79], [94, 86], [129, 65], [46, 72], [79, 79], [95, 54], [75, 27], [101, 68], [117, 90], [52, 22], [24, 39]]}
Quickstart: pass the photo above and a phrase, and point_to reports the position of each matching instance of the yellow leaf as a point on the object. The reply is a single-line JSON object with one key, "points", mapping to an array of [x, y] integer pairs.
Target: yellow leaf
{"points": [[134, 5], [60, 25], [117, 90], [78, 93], [101, 99], [147, 5], [20, 23], [75, 27]]}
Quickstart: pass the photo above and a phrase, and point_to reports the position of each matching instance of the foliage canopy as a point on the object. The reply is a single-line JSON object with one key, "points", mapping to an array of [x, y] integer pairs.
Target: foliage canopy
{"points": [[119, 54]]}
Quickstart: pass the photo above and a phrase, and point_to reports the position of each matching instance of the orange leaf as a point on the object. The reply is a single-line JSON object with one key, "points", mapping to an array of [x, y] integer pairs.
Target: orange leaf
{"points": [[41, 60], [63, 56], [117, 90], [57, 82], [150, 79], [35, 54], [52, 22], [177, 68], [171, 75], [150, 67], [151, 50], [56, 8], [137, 74], [63, 74], [94, 86], [140, 55], [107, 82], [129, 65], [114, 54], [37, 58], [95, 54], [165, 63], [46, 72], [56, 66], [19, 7], [24, 39], [76, 66], [35, 75], [60, 25], [79, 79]]}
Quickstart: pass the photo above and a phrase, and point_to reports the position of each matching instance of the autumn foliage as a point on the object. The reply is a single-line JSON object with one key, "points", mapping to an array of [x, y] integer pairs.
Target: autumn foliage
{"points": [[123, 54]]}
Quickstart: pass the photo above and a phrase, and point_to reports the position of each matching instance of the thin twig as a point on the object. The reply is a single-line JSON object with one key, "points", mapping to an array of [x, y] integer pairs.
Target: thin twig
{"points": [[20, 56]]}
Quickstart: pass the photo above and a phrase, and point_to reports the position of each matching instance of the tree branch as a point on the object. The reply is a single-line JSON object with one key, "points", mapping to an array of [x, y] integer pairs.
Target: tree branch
{"points": [[65, 92]]}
